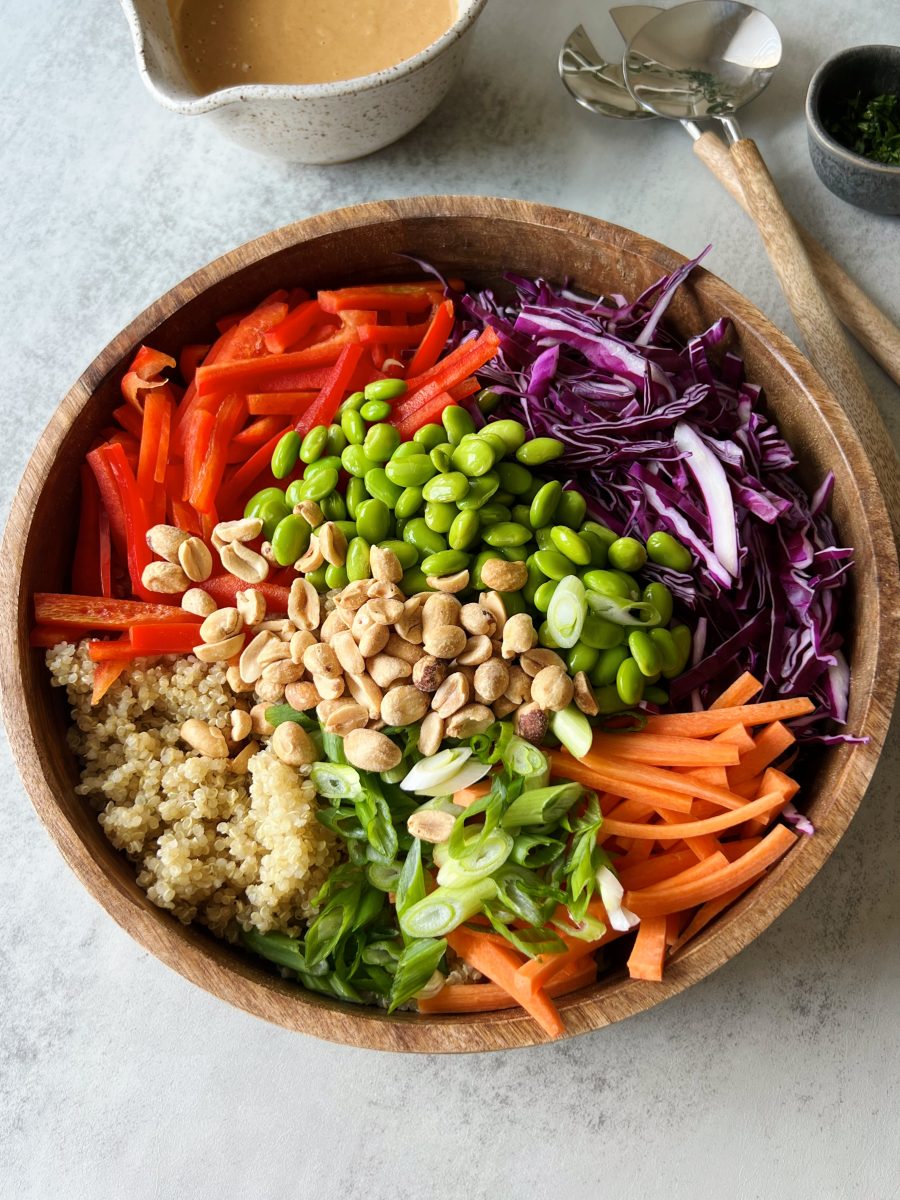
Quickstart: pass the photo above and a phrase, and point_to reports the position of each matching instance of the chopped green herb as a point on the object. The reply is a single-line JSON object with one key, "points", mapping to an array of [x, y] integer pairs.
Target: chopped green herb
{"points": [[870, 127]]}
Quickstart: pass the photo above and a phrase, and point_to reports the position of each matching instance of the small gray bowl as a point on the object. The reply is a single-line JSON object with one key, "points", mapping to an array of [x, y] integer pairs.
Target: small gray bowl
{"points": [[870, 70]]}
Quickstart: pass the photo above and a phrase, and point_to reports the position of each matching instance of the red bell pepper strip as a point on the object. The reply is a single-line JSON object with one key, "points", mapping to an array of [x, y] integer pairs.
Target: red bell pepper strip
{"points": [[145, 640], [189, 359], [297, 323], [86, 564], [231, 320], [249, 376], [45, 636], [137, 551], [460, 391], [426, 413], [154, 439], [144, 373], [247, 474], [196, 443], [224, 589], [279, 404], [322, 410], [252, 436], [433, 340], [459, 363], [228, 420], [100, 612], [109, 495], [105, 675], [106, 585], [397, 336], [394, 297], [129, 417]]}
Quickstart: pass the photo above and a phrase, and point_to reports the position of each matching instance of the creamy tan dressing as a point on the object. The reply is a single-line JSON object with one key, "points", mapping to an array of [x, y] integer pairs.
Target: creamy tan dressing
{"points": [[226, 43]]}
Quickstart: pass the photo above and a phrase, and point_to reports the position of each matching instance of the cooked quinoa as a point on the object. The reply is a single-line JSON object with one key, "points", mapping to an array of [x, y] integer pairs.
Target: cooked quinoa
{"points": [[233, 850]]}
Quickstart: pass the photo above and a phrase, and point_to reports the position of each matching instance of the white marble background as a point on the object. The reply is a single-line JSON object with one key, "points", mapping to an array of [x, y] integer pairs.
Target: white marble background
{"points": [[775, 1077]]}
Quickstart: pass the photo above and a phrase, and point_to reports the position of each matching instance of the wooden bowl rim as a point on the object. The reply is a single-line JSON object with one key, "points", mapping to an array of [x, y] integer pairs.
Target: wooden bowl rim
{"points": [[188, 950]]}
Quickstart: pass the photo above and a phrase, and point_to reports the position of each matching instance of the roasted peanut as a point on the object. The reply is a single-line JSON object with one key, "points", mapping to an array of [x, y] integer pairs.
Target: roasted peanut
{"points": [[431, 733], [250, 666], [240, 764], [198, 602], [279, 674], [301, 696], [503, 707], [473, 718], [329, 687], [312, 558], [277, 625], [241, 724], [206, 739], [519, 689], [310, 512], [362, 620], [261, 726], [195, 559], [385, 565], [534, 660], [275, 651], [243, 530], [251, 604], [491, 680], [164, 577], [403, 705], [445, 641], [431, 825], [504, 576], [552, 689], [365, 691], [458, 582], [165, 540], [293, 745], [223, 623], [584, 695], [333, 624], [492, 602], [300, 643], [477, 620], [383, 612], [320, 659], [519, 635], [238, 685], [346, 716], [373, 639], [429, 673], [355, 594], [385, 669], [268, 554], [532, 723], [221, 651], [452, 694], [243, 562], [348, 655], [478, 650], [410, 652], [380, 589], [370, 750], [409, 625], [333, 544], [303, 604], [438, 610]]}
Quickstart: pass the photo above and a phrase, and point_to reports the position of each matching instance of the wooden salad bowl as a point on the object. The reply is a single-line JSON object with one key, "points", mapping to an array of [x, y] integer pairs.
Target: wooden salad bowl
{"points": [[477, 238]]}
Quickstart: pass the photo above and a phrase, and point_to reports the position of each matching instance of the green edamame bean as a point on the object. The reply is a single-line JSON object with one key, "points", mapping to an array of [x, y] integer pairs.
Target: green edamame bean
{"points": [[381, 442], [442, 457], [553, 564], [629, 582], [537, 451], [544, 594], [332, 462], [668, 551], [313, 444], [487, 400], [375, 410], [497, 444], [439, 516], [645, 652], [571, 509], [286, 453], [514, 478], [357, 563], [656, 695], [607, 583], [543, 539], [600, 531], [353, 427], [474, 457], [512, 432], [600, 633], [513, 602], [292, 495], [463, 529], [407, 555], [568, 542], [582, 657], [373, 521], [385, 389], [604, 673], [380, 487], [352, 404], [683, 640], [668, 652], [445, 562], [272, 513], [502, 496], [425, 540], [546, 638], [333, 507], [256, 502], [660, 597], [336, 440], [335, 576], [492, 512], [317, 579], [410, 472], [347, 528], [596, 546], [608, 700], [521, 513], [545, 504], [475, 570], [408, 449], [430, 435], [355, 494], [414, 581], [355, 461], [480, 491], [449, 486], [627, 554], [536, 579], [287, 539], [457, 423], [516, 553], [408, 503], [630, 682], [319, 485], [506, 533], [399, 526]]}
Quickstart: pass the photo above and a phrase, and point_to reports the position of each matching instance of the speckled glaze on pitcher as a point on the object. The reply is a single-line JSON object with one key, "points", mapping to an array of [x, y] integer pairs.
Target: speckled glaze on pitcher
{"points": [[307, 123]]}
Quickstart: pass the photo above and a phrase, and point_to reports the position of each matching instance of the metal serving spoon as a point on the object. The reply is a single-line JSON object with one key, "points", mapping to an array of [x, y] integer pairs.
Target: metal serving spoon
{"points": [[581, 66]]}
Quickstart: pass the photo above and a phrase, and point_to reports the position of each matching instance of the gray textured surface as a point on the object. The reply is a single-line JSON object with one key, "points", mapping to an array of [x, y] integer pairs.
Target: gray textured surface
{"points": [[775, 1077]]}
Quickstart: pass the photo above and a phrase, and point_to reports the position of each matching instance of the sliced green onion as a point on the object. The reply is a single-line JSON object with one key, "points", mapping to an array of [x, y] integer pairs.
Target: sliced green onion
{"points": [[530, 942], [415, 968], [481, 857], [541, 806], [277, 714], [445, 909], [611, 893], [468, 774], [587, 929], [527, 895], [335, 781], [383, 876], [335, 919], [385, 953], [333, 747], [277, 948], [568, 608], [411, 884], [621, 611], [525, 759], [535, 849], [435, 769], [573, 729]]}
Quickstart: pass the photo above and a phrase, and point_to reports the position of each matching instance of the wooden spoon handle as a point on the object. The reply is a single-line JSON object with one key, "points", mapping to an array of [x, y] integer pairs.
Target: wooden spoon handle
{"points": [[872, 328], [825, 343]]}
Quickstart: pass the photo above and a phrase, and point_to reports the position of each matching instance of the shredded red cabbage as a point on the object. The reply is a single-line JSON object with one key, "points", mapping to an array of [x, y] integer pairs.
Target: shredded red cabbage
{"points": [[665, 435]]}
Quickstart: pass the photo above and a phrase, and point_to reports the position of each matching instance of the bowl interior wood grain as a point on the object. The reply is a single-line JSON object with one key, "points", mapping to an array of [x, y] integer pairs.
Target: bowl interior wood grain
{"points": [[478, 239]]}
